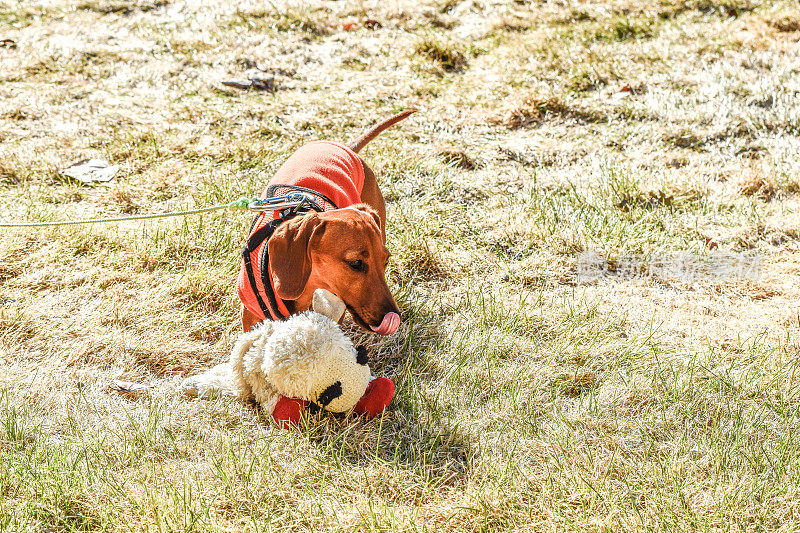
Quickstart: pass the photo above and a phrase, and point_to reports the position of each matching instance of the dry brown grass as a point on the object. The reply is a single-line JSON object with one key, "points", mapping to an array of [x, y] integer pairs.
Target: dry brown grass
{"points": [[786, 23], [527, 400], [532, 111], [458, 159], [447, 55]]}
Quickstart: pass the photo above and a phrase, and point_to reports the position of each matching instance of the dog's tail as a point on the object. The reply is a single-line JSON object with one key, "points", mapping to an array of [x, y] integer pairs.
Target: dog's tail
{"points": [[376, 130]]}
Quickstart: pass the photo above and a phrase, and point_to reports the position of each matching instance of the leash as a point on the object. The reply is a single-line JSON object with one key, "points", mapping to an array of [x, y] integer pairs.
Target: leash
{"points": [[292, 200]]}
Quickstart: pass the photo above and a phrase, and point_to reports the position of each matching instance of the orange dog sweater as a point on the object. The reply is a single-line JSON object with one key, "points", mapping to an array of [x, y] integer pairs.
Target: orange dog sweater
{"points": [[328, 168]]}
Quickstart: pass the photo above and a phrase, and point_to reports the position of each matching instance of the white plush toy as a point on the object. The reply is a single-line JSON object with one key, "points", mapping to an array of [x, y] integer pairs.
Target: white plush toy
{"points": [[286, 365]]}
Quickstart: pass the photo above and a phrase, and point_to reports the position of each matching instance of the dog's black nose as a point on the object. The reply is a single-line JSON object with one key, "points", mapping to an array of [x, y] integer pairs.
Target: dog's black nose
{"points": [[361, 355], [330, 394]]}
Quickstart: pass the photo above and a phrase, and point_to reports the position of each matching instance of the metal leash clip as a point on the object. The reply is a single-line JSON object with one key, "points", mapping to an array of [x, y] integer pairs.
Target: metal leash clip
{"points": [[294, 199]]}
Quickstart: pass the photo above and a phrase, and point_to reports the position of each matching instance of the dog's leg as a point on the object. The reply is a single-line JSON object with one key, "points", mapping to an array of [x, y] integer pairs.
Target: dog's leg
{"points": [[248, 319], [215, 382]]}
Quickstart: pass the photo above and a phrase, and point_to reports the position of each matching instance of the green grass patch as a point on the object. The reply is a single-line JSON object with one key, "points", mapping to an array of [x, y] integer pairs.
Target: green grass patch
{"points": [[447, 55]]}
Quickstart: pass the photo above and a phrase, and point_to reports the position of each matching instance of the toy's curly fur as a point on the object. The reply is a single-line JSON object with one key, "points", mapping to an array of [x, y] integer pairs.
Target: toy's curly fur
{"points": [[300, 358], [307, 357]]}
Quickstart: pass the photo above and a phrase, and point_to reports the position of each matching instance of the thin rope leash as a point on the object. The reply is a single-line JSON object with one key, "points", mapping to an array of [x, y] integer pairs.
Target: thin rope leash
{"points": [[252, 204], [242, 203]]}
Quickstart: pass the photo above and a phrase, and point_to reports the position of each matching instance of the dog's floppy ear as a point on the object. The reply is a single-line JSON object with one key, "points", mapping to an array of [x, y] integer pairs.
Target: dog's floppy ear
{"points": [[328, 304], [289, 257]]}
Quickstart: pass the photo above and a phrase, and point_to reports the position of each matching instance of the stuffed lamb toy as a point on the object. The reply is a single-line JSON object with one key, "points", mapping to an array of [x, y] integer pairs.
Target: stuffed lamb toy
{"points": [[306, 359]]}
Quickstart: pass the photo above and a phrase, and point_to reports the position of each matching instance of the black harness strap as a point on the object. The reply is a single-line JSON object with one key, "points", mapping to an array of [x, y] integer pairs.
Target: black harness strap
{"points": [[252, 244], [264, 268], [310, 204]]}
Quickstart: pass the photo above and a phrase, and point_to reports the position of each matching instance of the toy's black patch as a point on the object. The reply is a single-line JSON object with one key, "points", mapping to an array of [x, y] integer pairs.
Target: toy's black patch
{"points": [[361, 355], [314, 409], [330, 394]]}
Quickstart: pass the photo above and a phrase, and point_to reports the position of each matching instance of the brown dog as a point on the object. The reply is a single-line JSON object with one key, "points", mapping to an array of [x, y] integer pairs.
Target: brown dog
{"points": [[341, 249]]}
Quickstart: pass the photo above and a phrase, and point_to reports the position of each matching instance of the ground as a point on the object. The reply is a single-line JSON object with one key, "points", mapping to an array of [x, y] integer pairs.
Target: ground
{"points": [[531, 396]]}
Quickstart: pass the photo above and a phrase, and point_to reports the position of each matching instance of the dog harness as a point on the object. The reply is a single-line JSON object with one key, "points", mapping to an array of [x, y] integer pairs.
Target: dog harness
{"points": [[333, 176]]}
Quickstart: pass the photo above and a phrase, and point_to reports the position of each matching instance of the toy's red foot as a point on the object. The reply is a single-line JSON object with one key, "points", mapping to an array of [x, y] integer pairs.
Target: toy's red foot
{"points": [[379, 393], [288, 411]]}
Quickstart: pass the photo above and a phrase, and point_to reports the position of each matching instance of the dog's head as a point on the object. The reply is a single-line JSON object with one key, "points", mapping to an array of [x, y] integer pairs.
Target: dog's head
{"points": [[310, 357], [342, 251]]}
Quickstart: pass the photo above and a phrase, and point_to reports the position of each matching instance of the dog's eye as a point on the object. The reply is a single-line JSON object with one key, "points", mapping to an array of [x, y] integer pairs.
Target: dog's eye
{"points": [[357, 265]]}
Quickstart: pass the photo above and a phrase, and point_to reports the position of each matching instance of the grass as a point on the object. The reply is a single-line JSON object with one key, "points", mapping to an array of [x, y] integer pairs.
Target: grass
{"points": [[527, 400], [622, 28], [448, 56]]}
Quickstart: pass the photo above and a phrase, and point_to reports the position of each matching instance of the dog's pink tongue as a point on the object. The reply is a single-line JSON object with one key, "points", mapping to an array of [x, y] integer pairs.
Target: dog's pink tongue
{"points": [[389, 324]]}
